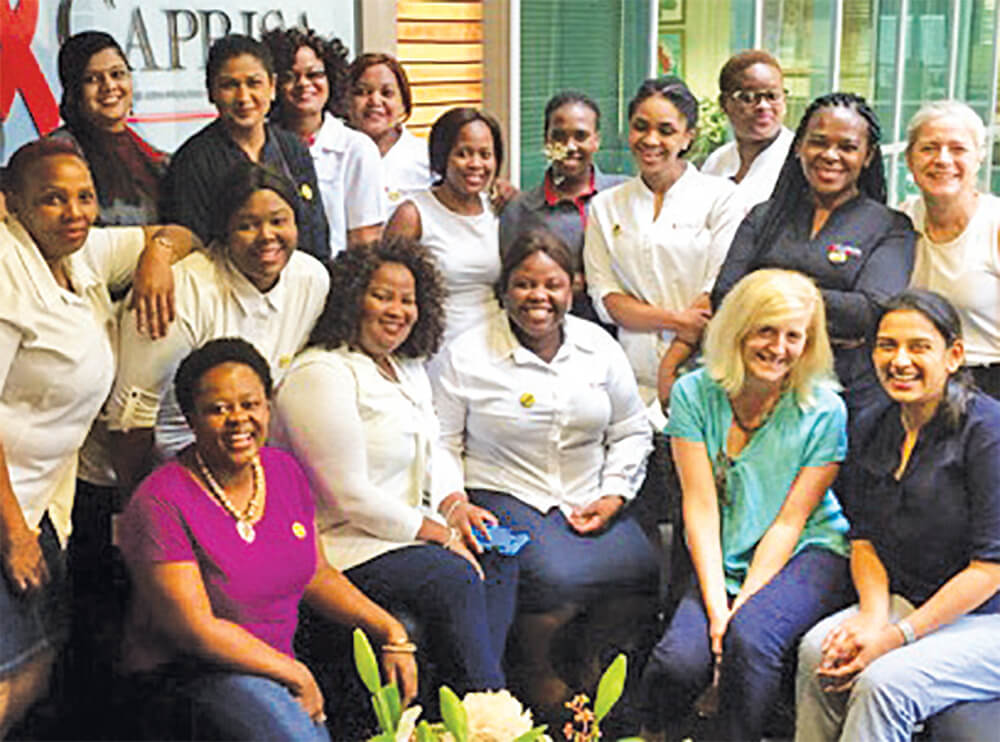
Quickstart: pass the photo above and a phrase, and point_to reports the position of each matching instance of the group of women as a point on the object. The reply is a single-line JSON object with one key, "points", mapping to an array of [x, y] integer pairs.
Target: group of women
{"points": [[452, 444]]}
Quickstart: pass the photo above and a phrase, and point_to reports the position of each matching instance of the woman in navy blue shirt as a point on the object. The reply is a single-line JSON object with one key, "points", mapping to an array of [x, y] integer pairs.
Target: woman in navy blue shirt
{"points": [[921, 487]]}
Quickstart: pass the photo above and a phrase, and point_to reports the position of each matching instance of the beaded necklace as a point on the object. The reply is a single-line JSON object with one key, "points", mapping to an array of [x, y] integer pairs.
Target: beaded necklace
{"points": [[244, 521]]}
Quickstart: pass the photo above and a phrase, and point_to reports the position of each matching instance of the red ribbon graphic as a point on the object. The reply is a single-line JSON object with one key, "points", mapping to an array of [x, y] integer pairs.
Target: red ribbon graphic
{"points": [[19, 70]]}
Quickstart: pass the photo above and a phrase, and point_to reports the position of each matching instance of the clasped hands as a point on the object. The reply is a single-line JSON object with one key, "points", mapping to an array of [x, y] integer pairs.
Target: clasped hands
{"points": [[853, 645]]}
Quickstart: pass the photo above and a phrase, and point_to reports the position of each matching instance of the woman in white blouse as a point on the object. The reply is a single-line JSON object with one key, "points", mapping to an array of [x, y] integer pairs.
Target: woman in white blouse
{"points": [[544, 431], [655, 243], [251, 283], [355, 409], [454, 218], [56, 366]]}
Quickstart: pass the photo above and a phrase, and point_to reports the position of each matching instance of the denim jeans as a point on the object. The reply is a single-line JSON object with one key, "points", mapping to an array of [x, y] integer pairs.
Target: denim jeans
{"points": [[560, 566], [760, 642], [466, 619], [188, 700], [958, 662]]}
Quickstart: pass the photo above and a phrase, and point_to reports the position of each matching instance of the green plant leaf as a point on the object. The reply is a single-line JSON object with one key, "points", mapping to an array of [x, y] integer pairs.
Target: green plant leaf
{"points": [[609, 690], [424, 732], [453, 713], [390, 696], [365, 662], [382, 714], [384, 737], [532, 734]]}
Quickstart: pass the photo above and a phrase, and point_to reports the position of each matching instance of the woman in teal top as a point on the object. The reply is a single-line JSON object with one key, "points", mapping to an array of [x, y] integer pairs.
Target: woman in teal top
{"points": [[757, 437]]}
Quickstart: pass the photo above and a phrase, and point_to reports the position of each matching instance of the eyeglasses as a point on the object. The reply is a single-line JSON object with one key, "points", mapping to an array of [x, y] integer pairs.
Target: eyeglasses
{"points": [[288, 77], [753, 97]]}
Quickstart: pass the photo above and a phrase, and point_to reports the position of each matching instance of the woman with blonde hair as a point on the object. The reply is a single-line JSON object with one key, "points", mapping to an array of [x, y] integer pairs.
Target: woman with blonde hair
{"points": [[757, 437]]}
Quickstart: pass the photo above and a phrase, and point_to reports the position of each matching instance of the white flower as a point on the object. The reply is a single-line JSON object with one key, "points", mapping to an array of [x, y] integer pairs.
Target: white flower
{"points": [[496, 716], [555, 151]]}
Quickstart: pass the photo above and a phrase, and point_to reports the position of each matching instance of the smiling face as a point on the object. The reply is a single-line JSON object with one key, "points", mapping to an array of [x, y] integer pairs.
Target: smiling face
{"points": [[57, 204], [304, 88], [388, 310], [261, 238], [760, 121], [912, 359], [833, 152], [944, 158], [574, 126], [242, 91], [471, 161], [658, 133], [106, 90], [376, 104], [231, 416], [771, 350], [538, 294]]}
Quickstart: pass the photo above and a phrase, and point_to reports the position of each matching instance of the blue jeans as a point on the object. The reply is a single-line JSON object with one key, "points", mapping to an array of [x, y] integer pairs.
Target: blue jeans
{"points": [[465, 619], [759, 645], [958, 662], [188, 700], [560, 566]]}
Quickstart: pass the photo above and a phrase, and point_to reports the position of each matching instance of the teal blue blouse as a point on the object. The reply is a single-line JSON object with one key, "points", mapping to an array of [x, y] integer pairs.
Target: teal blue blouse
{"points": [[757, 480]]}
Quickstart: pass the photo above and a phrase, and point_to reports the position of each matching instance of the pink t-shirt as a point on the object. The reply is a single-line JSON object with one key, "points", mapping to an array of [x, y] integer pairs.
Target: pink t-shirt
{"points": [[259, 585]]}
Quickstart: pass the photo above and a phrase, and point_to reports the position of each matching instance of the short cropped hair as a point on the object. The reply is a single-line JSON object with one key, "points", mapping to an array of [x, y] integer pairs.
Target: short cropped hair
{"points": [[235, 45], [30, 153], [565, 97], [350, 273], [215, 353], [444, 134], [937, 109], [759, 298], [729, 75]]}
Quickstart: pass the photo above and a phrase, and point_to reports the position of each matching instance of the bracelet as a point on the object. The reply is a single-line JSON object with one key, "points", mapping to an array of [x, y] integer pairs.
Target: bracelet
{"points": [[403, 647], [909, 635], [451, 508], [453, 536]]}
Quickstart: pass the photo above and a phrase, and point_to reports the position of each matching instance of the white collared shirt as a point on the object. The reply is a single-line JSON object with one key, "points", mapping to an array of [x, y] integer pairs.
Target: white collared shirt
{"points": [[213, 300], [758, 183], [349, 172], [366, 444], [559, 434], [667, 262], [56, 359], [406, 169]]}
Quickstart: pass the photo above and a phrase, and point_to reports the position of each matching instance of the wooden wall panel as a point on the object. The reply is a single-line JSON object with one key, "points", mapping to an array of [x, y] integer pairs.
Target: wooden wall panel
{"points": [[440, 44]]}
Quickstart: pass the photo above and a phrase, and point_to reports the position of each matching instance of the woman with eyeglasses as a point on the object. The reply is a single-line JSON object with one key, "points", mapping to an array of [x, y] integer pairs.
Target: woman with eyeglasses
{"points": [[752, 95], [654, 244], [827, 219], [312, 76]]}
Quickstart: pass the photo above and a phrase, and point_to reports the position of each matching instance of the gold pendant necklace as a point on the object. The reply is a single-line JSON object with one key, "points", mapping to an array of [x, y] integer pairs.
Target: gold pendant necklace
{"points": [[244, 521]]}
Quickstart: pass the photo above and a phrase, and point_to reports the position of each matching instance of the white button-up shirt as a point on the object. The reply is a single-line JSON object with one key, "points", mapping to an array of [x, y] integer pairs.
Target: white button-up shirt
{"points": [[349, 172], [56, 360], [667, 261], [213, 300], [366, 443], [559, 434], [758, 183]]}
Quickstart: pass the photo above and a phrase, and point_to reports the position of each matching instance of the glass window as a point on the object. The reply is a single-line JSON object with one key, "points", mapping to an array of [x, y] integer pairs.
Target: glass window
{"points": [[596, 46]]}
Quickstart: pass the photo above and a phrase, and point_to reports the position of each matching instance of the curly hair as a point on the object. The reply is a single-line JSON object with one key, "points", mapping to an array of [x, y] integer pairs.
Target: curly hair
{"points": [[791, 191], [350, 273], [284, 44]]}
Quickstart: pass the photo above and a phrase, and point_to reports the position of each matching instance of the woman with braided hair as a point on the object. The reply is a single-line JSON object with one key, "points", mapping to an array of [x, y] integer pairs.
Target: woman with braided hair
{"points": [[827, 218]]}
